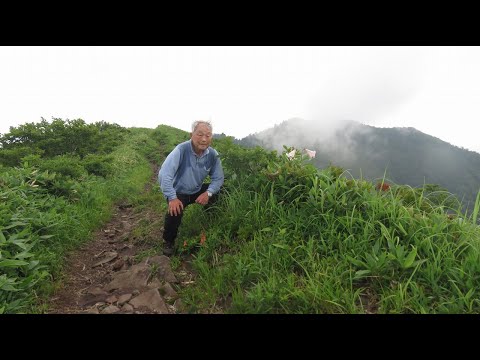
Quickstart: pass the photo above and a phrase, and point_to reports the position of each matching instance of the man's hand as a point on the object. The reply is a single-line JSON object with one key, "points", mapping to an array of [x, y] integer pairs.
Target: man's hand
{"points": [[175, 207], [202, 199]]}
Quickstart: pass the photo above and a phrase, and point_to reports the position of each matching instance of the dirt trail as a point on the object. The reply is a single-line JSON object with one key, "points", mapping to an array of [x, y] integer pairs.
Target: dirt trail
{"points": [[106, 275]]}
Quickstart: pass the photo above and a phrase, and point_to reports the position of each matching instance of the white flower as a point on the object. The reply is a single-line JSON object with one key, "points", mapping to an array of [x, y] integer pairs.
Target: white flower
{"points": [[310, 153], [291, 154]]}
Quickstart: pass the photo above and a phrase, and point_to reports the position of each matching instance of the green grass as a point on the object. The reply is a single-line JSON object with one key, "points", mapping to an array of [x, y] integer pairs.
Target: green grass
{"points": [[39, 225], [284, 237], [318, 242]]}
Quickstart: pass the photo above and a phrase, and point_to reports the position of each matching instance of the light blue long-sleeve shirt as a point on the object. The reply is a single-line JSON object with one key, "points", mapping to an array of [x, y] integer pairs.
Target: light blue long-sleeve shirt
{"points": [[183, 171]]}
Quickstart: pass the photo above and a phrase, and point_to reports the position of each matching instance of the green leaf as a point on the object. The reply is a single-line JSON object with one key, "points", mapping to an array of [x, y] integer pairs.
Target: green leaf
{"points": [[281, 246], [12, 263], [6, 284], [8, 287], [357, 262], [386, 234], [376, 247], [266, 229], [402, 229], [371, 261], [15, 224], [46, 236], [400, 253], [418, 262], [24, 255], [390, 256], [20, 243], [361, 274], [410, 258]]}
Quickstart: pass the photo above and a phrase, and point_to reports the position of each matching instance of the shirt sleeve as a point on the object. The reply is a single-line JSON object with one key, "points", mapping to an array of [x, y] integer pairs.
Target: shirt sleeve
{"points": [[216, 175], [167, 173]]}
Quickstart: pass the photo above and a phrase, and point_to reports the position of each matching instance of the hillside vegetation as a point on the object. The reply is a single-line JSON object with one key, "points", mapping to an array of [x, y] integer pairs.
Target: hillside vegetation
{"points": [[403, 155], [283, 237], [58, 183]]}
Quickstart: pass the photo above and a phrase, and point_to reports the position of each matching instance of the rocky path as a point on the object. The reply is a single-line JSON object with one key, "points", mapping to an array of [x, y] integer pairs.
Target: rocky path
{"points": [[112, 274]]}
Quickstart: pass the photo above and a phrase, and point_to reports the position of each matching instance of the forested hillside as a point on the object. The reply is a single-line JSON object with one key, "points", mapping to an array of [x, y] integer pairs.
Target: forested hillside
{"points": [[404, 155]]}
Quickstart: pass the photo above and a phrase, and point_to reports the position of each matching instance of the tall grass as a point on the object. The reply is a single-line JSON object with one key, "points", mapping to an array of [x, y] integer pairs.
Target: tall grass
{"points": [[293, 239], [283, 237], [39, 224]]}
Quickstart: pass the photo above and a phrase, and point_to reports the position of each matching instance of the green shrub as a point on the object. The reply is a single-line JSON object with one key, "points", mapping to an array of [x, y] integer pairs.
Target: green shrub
{"points": [[67, 165], [13, 157], [100, 165]]}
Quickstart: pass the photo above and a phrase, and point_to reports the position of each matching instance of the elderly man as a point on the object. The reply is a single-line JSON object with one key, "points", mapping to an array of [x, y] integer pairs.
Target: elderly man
{"points": [[181, 178]]}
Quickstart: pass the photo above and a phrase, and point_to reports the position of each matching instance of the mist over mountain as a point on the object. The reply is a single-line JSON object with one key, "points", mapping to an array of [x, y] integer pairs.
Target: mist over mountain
{"points": [[408, 156]]}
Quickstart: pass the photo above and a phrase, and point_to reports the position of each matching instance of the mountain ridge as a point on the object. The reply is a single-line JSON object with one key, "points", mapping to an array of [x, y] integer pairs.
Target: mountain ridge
{"points": [[405, 155]]}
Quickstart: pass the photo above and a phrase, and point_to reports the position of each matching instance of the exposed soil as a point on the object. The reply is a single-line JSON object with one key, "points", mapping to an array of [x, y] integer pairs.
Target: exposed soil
{"points": [[113, 274]]}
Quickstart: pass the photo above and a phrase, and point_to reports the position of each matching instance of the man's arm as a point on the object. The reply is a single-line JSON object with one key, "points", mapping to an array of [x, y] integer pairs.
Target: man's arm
{"points": [[167, 173]]}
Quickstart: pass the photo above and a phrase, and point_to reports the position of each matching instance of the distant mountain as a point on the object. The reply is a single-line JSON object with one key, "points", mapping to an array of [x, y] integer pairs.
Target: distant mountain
{"points": [[409, 156]]}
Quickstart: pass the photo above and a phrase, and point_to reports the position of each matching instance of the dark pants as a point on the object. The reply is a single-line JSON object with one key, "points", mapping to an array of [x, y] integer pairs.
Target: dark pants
{"points": [[172, 223]]}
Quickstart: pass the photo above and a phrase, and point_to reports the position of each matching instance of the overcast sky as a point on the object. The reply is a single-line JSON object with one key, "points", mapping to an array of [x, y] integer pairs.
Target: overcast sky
{"points": [[244, 90]]}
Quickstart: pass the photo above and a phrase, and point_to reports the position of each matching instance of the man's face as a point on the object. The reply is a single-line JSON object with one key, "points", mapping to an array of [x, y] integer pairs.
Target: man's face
{"points": [[201, 138]]}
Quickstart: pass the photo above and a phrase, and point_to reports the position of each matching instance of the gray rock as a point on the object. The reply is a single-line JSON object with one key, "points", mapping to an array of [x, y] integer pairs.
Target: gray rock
{"points": [[151, 300], [123, 299], [110, 309]]}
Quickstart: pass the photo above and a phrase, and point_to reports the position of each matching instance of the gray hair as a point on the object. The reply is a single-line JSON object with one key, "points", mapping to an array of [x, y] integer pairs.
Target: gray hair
{"points": [[198, 122]]}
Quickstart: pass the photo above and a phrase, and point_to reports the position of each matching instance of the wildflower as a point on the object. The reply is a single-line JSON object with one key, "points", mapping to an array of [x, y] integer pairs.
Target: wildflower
{"points": [[310, 153], [291, 154], [383, 187]]}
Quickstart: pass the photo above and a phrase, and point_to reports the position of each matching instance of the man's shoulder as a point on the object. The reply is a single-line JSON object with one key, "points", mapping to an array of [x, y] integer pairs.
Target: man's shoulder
{"points": [[179, 150], [183, 146], [212, 152]]}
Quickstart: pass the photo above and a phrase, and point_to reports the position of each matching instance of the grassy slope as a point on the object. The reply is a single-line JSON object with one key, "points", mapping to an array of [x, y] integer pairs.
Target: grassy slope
{"points": [[283, 237], [38, 228], [287, 238]]}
